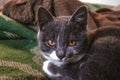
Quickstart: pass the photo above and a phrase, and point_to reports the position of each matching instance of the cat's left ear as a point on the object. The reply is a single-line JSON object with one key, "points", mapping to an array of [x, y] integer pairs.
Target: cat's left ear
{"points": [[80, 17], [43, 17]]}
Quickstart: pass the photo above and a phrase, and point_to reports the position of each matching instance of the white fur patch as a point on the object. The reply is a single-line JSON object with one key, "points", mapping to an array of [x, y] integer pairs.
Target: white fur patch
{"points": [[46, 70], [38, 34], [58, 63], [54, 56]]}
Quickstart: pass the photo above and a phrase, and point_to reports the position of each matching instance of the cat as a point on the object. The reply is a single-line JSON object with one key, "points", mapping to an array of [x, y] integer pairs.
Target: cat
{"points": [[75, 53]]}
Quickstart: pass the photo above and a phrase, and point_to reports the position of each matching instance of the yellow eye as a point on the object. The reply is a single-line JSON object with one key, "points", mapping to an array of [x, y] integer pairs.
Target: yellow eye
{"points": [[51, 43], [72, 43]]}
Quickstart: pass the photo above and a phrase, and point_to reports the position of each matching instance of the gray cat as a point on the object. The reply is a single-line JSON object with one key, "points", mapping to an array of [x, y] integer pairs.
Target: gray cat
{"points": [[75, 53]]}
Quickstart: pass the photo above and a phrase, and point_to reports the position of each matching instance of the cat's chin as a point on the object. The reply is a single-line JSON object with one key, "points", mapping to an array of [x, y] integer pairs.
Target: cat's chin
{"points": [[62, 62], [57, 63]]}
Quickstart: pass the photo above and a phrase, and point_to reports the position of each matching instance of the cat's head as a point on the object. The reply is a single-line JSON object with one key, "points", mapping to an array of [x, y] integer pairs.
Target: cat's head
{"points": [[62, 39]]}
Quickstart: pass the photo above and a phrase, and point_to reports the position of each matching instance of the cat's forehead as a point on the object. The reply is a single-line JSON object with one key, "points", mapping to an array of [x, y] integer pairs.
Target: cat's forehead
{"points": [[59, 23], [62, 21], [62, 18]]}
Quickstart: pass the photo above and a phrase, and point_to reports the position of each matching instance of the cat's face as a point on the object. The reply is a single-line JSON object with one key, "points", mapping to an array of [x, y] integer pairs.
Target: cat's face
{"points": [[62, 39]]}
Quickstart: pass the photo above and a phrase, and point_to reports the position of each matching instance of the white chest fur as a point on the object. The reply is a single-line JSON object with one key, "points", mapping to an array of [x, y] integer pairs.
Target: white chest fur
{"points": [[46, 66]]}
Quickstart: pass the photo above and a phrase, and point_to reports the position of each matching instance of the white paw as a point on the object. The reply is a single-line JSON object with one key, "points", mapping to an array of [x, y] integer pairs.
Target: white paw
{"points": [[47, 71]]}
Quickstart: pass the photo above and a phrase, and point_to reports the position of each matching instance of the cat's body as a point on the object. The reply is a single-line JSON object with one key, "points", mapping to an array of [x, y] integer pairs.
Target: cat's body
{"points": [[73, 52]]}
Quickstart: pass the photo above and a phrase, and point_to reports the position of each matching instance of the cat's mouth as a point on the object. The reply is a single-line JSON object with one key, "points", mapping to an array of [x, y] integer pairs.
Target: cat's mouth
{"points": [[54, 58], [73, 59]]}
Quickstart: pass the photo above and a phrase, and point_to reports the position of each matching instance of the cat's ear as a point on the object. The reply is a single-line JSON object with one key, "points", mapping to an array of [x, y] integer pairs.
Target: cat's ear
{"points": [[80, 16], [43, 16]]}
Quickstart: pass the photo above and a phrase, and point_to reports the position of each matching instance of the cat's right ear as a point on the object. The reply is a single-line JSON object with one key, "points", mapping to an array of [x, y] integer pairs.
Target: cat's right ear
{"points": [[80, 17], [43, 16]]}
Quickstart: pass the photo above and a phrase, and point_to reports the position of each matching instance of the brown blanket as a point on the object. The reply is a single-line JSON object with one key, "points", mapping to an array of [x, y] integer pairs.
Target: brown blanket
{"points": [[24, 11], [107, 17]]}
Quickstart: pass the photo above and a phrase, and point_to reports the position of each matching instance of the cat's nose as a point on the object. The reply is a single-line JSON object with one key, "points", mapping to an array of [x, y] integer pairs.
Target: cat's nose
{"points": [[60, 54]]}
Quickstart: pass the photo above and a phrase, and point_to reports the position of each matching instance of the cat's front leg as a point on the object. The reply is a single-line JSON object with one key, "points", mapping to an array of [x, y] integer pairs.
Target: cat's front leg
{"points": [[53, 71]]}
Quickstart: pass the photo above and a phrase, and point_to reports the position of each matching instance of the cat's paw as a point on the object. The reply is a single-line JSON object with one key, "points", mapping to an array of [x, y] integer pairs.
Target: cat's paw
{"points": [[50, 69]]}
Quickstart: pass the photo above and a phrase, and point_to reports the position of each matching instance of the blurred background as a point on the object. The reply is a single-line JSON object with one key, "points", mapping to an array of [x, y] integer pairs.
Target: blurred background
{"points": [[105, 2]]}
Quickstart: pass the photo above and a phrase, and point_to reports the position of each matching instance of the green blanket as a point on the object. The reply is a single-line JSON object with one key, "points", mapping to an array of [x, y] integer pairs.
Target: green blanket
{"points": [[17, 58]]}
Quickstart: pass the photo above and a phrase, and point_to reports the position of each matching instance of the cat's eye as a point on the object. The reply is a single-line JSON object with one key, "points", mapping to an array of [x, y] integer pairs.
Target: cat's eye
{"points": [[51, 43], [72, 43]]}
